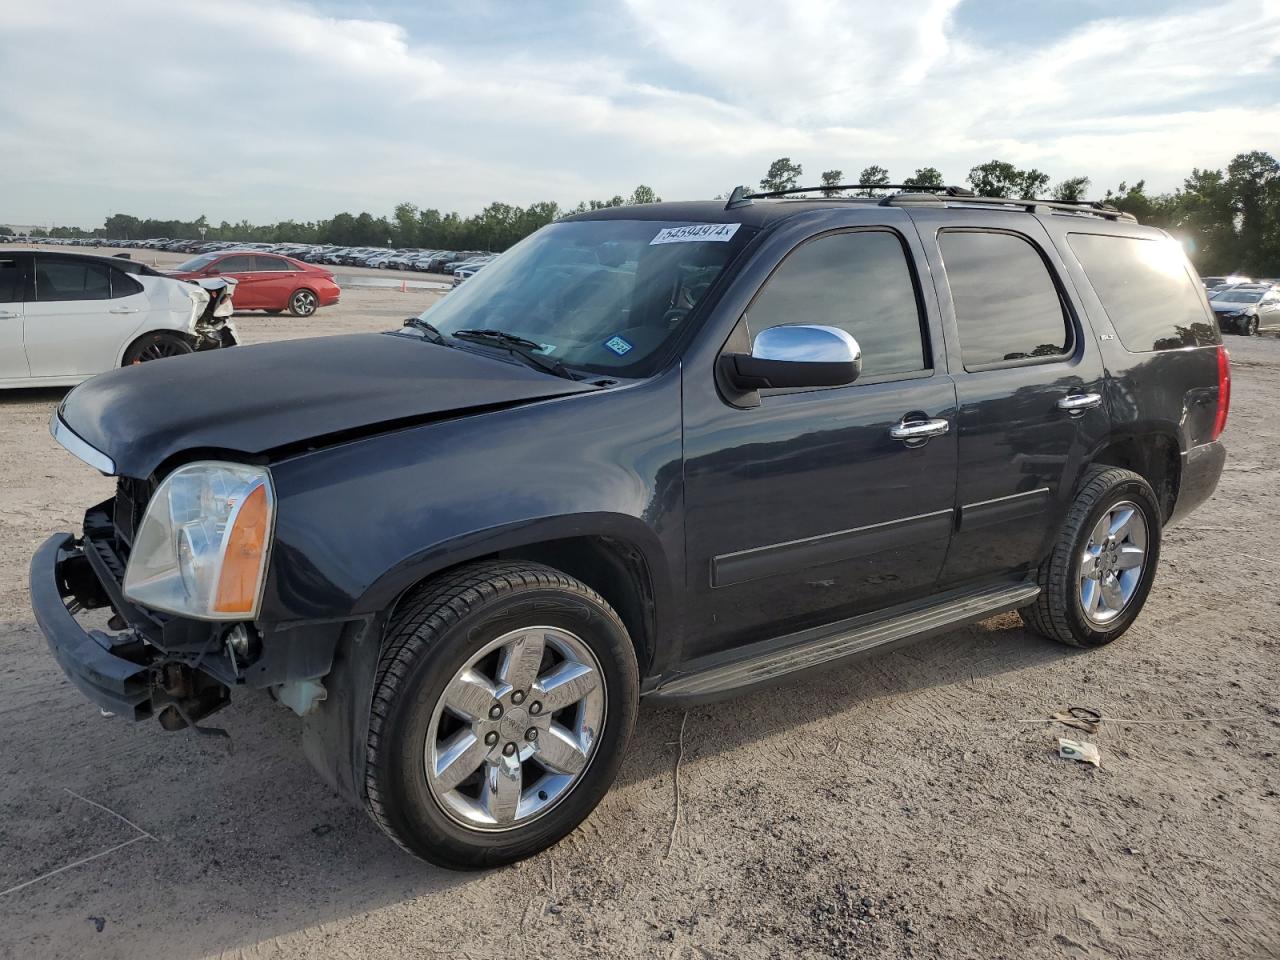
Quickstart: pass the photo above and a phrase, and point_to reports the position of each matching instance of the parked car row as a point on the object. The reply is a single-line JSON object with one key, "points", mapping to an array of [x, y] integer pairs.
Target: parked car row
{"points": [[427, 261]]}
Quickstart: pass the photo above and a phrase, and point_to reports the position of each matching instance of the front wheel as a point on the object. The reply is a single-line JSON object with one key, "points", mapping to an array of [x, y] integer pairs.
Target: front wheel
{"points": [[504, 701], [303, 303], [1097, 577]]}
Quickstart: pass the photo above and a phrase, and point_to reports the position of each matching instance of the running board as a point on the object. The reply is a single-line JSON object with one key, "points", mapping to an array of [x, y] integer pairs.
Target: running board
{"points": [[773, 660]]}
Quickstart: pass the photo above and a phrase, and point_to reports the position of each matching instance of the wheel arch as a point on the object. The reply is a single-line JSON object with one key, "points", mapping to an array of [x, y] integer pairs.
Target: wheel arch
{"points": [[1155, 456], [138, 335]]}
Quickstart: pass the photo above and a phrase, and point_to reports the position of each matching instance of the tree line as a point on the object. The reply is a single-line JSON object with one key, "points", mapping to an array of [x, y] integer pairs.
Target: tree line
{"points": [[1229, 219]]}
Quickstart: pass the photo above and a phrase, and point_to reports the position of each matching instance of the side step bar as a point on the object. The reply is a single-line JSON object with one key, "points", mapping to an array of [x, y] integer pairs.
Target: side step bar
{"points": [[772, 660]]}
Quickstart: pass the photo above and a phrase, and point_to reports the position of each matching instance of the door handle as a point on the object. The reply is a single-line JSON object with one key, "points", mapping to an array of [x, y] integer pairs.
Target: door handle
{"points": [[919, 429], [124, 310], [5, 315], [1080, 402]]}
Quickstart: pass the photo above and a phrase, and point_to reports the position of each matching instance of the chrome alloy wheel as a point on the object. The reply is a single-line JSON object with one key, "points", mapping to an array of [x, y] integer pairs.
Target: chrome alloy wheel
{"points": [[304, 303], [1113, 561], [515, 729]]}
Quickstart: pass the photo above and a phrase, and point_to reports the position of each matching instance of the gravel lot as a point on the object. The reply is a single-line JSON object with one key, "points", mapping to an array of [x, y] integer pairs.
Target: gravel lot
{"points": [[898, 806]]}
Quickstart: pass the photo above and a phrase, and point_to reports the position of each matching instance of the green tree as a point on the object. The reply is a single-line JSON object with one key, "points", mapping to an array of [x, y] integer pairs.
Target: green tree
{"points": [[643, 194], [926, 177], [782, 175], [829, 180], [996, 178], [404, 231], [6, 232], [1073, 188], [872, 175]]}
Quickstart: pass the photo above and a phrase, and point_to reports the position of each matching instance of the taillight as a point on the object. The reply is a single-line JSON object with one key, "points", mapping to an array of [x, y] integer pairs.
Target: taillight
{"points": [[1224, 393]]}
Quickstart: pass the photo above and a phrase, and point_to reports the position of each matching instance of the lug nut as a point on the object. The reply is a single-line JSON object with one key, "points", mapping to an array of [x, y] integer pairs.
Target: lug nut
{"points": [[495, 711], [509, 749], [535, 708], [531, 734], [491, 737], [518, 697]]}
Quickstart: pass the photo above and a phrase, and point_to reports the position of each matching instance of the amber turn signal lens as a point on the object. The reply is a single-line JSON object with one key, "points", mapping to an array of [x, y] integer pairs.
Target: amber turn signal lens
{"points": [[242, 563]]}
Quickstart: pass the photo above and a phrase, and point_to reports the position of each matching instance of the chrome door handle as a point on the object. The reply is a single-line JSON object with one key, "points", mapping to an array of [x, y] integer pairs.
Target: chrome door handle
{"points": [[5, 315], [1080, 402], [919, 429], [124, 310]]}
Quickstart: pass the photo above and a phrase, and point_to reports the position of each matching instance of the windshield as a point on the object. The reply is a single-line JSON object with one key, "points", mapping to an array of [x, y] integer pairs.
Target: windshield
{"points": [[196, 263], [600, 295], [1239, 296]]}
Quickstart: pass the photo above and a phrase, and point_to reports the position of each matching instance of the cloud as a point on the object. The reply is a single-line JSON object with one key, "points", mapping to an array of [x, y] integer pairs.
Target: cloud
{"points": [[276, 108]]}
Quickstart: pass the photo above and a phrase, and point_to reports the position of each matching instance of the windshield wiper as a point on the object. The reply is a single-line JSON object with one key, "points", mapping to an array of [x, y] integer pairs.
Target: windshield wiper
{"points": [[521, 347], [432, 334]]}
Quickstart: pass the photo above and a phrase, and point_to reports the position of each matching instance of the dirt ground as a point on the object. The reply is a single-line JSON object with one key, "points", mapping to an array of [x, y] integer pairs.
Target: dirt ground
{"points": [[906, 805]]}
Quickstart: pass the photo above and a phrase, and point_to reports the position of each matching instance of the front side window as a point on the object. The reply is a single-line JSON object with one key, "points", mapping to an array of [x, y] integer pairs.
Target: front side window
{"points": [[605, 296], [1006, 303], [71, 280], [1147, 291], [241, 263], [859, 282]]}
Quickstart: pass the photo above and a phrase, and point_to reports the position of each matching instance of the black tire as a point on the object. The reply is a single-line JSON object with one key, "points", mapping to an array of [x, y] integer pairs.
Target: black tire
{"points": [[1057, 612], [432, 634], [156, 346], [303, 302]]}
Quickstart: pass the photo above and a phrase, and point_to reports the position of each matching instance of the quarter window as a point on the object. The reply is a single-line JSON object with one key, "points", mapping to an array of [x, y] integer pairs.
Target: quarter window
{"points": [[123, 285], [859, 282], [1146, 290], [71, 280], [1007, 306]]}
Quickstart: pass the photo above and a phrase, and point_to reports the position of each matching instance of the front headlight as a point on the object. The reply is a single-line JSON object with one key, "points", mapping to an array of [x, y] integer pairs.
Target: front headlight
{"points": [[201, 549]]}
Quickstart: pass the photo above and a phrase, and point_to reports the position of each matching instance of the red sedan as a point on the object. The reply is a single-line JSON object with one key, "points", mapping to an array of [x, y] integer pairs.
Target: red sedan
{"points": [[267, 281]]}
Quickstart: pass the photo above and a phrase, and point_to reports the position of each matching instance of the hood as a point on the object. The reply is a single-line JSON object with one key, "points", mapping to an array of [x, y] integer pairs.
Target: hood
{"points": [[1224, 306], [252, 400]]}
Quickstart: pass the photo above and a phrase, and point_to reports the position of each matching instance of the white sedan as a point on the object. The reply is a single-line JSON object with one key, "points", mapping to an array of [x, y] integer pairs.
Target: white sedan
{"points": [[65, 317]]}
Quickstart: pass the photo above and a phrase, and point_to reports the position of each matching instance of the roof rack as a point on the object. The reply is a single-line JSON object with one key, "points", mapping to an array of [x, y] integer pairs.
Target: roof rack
{"points": [[916, 194]]}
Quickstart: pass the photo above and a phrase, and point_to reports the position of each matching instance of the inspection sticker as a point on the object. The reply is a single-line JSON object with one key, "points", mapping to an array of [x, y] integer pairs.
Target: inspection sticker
{"points": [[696, 233], [618, 345]]}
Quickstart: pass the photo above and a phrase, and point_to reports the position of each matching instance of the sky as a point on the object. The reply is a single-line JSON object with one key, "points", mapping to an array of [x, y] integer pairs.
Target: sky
{"points": [[276, 109]]}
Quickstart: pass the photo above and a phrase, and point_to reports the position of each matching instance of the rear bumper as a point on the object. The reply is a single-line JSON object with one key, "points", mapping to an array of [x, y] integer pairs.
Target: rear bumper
{"points": [[91, 659], [1201, 470]]}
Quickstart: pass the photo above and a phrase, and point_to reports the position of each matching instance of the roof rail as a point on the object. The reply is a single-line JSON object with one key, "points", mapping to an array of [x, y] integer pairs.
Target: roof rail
{"points": [[1091, 207], [950, 191]]}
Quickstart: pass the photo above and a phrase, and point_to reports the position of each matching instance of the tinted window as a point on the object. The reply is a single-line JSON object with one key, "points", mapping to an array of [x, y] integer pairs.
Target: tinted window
{"points": [[123, 285], [859, 282], [241, 263], [71, 280], [196, 263], [1147, 291], [10, 280], [1007, 307]]}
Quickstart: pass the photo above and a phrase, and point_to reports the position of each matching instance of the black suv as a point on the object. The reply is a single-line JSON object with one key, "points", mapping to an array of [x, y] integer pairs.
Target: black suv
{"points": [[673, 450]]}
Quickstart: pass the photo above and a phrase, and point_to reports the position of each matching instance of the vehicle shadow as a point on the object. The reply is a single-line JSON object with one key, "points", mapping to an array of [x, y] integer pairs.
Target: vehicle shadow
{"points": [[250, 845], [22, 395]]}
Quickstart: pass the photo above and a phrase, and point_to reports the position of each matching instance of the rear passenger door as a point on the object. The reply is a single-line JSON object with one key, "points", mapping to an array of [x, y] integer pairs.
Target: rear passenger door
{"points": [[1029, 385], [274, 282], [71, 325], [13, 358], [242, 268]]}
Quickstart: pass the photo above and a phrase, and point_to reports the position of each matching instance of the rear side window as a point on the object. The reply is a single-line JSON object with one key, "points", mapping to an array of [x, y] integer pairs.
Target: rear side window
{"points": [[1007, 305], [1147, 291], [242, 263], [858, 282], [71, 280], [272, 263], [123, 285], [10, 280]]}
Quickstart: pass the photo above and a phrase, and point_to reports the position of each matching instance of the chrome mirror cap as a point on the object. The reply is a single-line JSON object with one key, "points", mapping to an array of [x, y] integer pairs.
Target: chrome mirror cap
{"points": [[806, 343]]}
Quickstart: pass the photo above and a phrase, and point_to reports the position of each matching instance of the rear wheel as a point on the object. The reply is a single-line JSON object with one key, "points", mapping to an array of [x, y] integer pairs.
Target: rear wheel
{"points": [[1096, 579], [156, 346], [504, 701], [303, 303]]}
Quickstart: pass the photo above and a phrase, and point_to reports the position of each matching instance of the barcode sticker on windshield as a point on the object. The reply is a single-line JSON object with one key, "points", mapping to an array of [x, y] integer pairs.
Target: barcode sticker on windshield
{"points": [[697, 233]]}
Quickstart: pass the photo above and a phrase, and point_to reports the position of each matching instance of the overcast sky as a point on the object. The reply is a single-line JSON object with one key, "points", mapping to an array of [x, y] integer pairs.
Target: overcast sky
{"points": [[270, 109]]}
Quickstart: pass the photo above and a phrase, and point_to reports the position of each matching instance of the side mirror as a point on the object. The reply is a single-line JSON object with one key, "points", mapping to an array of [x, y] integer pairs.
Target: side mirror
{"points": [[796, 355]]}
